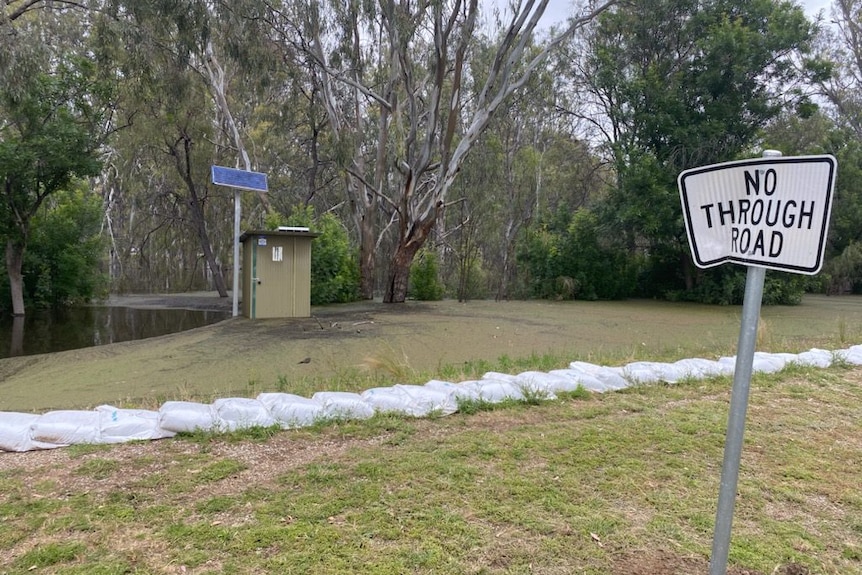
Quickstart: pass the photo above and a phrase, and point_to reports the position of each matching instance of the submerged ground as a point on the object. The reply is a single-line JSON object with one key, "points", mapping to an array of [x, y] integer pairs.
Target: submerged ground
{"points": [[335, 346]]}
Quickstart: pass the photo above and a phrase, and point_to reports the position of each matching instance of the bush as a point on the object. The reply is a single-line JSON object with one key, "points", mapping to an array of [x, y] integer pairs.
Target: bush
{"points": [[577, 262], [63, 260], [843, 273], [425, 282], [725, 285]]}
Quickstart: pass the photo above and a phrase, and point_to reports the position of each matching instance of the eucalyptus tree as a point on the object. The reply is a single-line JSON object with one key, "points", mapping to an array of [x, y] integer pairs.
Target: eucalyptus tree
{"points": [[54, 113], [409, 89], [673, 84], [181, 61], [843, 47]]}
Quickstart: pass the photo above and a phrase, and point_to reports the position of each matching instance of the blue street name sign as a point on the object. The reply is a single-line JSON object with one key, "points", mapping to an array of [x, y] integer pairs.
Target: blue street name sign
{"points": [[241, 179]]}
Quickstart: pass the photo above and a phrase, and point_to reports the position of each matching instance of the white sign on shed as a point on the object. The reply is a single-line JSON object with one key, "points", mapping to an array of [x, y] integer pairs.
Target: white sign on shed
{"points": [[770, 212]]}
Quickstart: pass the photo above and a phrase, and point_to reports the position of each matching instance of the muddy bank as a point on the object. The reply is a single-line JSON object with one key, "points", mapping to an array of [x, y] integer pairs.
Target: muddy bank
{"points": [[244, 357]]}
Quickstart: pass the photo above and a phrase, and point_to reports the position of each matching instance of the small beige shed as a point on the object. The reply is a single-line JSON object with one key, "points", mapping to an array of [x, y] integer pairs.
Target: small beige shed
{"points": [[276, 273]]}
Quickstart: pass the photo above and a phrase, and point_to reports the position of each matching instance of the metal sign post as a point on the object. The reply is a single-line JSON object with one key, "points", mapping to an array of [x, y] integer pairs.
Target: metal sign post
{"points": [[736, 418], [239, 180], [765, 213]]}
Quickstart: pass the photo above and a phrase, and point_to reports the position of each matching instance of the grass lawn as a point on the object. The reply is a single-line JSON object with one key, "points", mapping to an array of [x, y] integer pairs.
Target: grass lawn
{"points": [[619, 483]]}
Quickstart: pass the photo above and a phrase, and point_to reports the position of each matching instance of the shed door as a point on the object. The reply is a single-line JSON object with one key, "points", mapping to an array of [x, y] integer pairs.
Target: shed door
{"points": [[273, 278]]}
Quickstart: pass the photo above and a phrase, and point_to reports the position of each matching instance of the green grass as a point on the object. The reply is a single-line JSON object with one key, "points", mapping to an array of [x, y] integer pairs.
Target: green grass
{"points": [[568, 486]]}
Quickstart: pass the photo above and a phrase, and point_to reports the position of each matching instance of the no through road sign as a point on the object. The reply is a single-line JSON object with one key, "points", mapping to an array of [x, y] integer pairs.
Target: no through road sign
{"points": [[771, 212]]}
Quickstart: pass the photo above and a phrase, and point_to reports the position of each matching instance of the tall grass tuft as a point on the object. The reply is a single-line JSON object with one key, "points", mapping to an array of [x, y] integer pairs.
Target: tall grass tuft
{"points": [[390, 364]]}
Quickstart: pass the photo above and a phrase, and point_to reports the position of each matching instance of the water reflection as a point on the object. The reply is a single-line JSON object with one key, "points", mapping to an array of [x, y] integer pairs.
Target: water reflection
{"points": [[46, 332]]}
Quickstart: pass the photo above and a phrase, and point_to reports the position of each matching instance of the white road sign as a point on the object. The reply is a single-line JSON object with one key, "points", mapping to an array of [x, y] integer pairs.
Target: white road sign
{"points": [[771, 212]]}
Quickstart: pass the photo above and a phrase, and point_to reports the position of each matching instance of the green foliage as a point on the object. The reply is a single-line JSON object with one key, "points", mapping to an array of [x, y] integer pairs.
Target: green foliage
{"points": [[845, 227], [48, 137], [63, 262], [425, 281], [687, 84], [334, 269], [725, 285], [576, 262], [64, 256], [50, 130], [843, 273]]}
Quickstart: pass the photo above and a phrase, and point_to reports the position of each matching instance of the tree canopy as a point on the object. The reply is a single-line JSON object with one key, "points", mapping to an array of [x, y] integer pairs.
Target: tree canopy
{"points": [[520, 161]]}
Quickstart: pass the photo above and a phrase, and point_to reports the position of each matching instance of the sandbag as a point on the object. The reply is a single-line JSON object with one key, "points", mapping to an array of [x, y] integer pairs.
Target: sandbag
{"points": [[609, 376], [343, 405], [388, 400], [292, 411], [698, 368], [815, 358], [120, 425], [548, 384], [412, 400], [15, 429], [495, 391], [66, 427], [852, 355], [761, 362], [432, 400], [186, 416], [457, 391], [234, 413], [497, 376], [580, 379], [646, 372]]}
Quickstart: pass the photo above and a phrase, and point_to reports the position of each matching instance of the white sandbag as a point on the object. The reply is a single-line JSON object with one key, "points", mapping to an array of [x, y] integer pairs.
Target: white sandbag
{"points": [[637, 373], [652, 372], [241, 413], [544, 384], [186, 416], [343, 405], [852, 355], [609, 376], [15, 429], [497, 376], [427, 400], [815, 358], [292, 411], [412, 400], [458, 391], [120, 425], [761, 362], [66, 427], [388, 400], [495, 391], [768, 362], [699, 368], [580, 379]]}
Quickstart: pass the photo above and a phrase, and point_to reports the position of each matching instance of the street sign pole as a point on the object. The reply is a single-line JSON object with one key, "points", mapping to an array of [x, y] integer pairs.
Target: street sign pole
{"points": [[238, 180], [237, 210], [736, 418], [754, 279]]}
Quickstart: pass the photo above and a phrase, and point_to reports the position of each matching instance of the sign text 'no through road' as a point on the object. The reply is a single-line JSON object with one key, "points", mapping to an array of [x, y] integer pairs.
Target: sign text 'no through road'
{"points": [[771, 212]]}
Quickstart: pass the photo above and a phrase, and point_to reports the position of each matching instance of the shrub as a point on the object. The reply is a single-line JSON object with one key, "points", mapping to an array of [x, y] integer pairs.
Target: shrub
{"points": [[425, 281], [63, 260]]}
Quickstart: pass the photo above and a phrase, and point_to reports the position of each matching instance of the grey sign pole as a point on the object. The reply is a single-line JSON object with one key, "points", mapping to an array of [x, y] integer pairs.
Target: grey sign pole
{"points": [[237, 216], [738, 407], [239, 180]]}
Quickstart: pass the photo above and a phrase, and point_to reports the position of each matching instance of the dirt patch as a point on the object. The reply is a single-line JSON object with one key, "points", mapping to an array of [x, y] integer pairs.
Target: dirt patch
{"points": [[242, 357]]}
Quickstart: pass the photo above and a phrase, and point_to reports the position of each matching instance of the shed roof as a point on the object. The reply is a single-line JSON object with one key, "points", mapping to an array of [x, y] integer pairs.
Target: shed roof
{"points": [[269, 233]]}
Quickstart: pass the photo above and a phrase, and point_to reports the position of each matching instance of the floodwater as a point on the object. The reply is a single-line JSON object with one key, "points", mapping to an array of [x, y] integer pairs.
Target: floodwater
{"points": [[74, 328]]}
